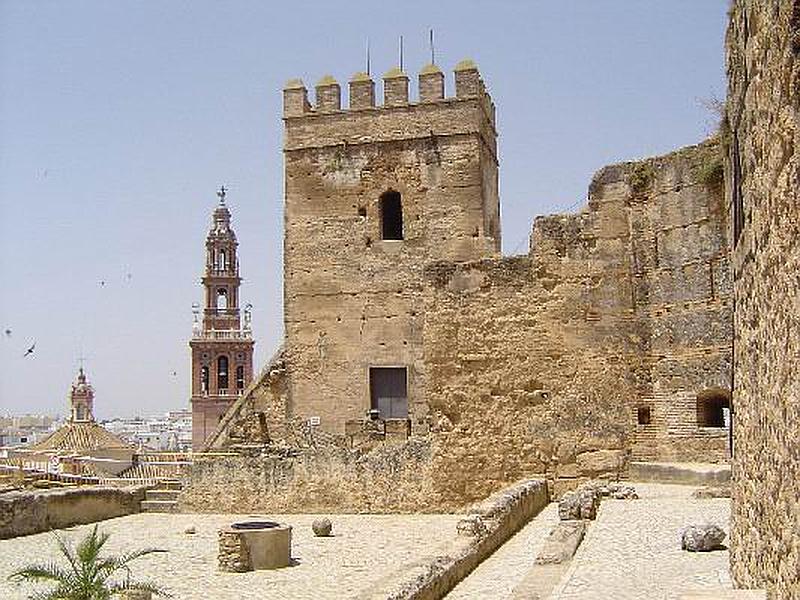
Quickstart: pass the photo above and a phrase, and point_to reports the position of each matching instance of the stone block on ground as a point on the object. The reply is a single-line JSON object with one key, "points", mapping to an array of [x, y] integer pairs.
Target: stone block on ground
{"points": [[561, 486], [622, 491], [562, 542], [701, 538], [579, 504], [600, 462], [704, 493]]}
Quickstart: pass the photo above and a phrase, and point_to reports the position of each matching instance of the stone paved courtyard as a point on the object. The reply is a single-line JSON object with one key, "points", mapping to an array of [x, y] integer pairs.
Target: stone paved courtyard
{"points": [[367, 553], [632, 551]]}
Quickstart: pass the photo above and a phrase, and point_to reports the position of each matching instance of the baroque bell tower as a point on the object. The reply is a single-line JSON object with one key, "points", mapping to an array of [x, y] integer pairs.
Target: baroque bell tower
{"points": [[222, 344]]}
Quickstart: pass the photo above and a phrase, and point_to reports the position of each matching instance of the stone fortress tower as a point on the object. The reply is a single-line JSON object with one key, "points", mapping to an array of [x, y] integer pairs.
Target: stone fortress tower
{"points": [[373, 193], [221, 346]]}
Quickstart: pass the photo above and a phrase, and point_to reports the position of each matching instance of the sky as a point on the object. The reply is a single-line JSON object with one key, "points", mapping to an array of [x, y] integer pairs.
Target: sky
{"points": [[119, 121]]}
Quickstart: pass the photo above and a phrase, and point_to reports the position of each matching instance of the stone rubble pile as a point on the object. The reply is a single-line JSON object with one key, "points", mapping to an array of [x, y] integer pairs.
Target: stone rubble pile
{"points": [[584, 501]]}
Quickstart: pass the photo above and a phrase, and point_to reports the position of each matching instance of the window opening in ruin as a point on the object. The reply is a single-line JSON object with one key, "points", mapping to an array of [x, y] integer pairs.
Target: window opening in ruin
{"points": [[222, 373], [204, 379], [643, 415], [222, 298], [713, 408], [362, 211], [391, 216], [240, 377], [388, 388]]}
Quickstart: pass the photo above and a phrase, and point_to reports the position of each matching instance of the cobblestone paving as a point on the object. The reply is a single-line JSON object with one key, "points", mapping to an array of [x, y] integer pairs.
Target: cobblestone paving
{"points": [[633, 549], [497, 576], [364, 549]]}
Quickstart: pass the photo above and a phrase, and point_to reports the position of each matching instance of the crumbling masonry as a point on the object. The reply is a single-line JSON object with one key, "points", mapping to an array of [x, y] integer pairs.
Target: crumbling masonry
{"points": [[609, 340]]}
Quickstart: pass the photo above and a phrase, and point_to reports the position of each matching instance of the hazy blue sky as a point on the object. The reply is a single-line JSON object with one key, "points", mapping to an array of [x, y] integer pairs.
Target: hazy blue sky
{"points": [[119, 120]]}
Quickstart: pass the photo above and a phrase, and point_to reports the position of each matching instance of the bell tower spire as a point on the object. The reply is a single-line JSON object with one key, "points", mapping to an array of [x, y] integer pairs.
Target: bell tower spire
{"points": [[81, 399], [222, 349]]}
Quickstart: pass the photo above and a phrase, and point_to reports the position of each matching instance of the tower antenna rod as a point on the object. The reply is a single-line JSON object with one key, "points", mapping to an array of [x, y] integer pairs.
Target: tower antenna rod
{"points": [[401, 52], [433, 53], [368, 73]]}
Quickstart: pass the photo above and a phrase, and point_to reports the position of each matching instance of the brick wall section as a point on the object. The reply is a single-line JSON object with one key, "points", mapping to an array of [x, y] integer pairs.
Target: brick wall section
{"points": [[763, 64]]}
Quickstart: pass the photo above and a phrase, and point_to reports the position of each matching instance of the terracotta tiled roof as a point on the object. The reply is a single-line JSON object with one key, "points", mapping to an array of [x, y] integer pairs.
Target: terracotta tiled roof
{"points": [[80, 437]]}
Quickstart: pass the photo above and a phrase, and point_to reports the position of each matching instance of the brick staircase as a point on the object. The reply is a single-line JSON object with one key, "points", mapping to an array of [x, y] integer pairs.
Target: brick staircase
{"points": [[164, 498]]}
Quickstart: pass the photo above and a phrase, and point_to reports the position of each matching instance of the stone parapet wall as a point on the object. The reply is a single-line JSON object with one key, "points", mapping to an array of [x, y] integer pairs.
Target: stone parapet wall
{"points": [[389, 478], [24, 513], [763, 188]]}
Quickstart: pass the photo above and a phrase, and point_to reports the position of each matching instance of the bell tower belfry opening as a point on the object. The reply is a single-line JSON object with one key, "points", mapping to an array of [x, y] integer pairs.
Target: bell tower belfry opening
{"points": [[222, 342]]}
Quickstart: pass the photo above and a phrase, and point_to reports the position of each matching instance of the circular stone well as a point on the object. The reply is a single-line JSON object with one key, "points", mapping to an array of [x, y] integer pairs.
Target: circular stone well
{"points": [[254, 545]]}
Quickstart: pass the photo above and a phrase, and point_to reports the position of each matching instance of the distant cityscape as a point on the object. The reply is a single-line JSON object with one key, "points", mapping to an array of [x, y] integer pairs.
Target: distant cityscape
{"points": [[171, 431]]}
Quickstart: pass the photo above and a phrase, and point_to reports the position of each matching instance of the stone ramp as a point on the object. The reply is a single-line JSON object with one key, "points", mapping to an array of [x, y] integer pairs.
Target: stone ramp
{"points": [[685, 473]]}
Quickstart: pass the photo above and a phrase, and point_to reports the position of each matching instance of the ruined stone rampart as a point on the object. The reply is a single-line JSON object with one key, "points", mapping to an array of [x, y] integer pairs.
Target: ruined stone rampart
{"points": [[25, 513], [540, 364], [763, 185], [327, 478], [532, 365]]}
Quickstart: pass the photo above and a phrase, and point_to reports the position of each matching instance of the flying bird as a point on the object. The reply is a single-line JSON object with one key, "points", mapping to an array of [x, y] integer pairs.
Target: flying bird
{"points": [[8, 333], [102, 282], [29, 351]]}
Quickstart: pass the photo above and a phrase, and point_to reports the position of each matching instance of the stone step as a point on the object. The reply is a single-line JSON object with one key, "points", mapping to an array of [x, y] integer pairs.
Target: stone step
{"points": [[161, 494], [159, 506], [170, 484], [685, 473]]}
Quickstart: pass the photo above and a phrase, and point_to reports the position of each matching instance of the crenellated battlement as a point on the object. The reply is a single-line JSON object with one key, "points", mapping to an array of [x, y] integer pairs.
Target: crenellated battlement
{"points": [[328, 94]]}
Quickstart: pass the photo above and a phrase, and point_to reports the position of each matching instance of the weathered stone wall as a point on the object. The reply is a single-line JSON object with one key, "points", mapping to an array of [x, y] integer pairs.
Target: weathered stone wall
{"points": [[538, 364], [763, 184], [353, 300], [327, 478], [526, 365], [24, 513]]}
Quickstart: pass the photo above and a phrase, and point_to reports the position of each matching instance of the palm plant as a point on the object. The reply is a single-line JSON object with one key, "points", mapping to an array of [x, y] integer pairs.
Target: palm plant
{"points": [[88, 576]]}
